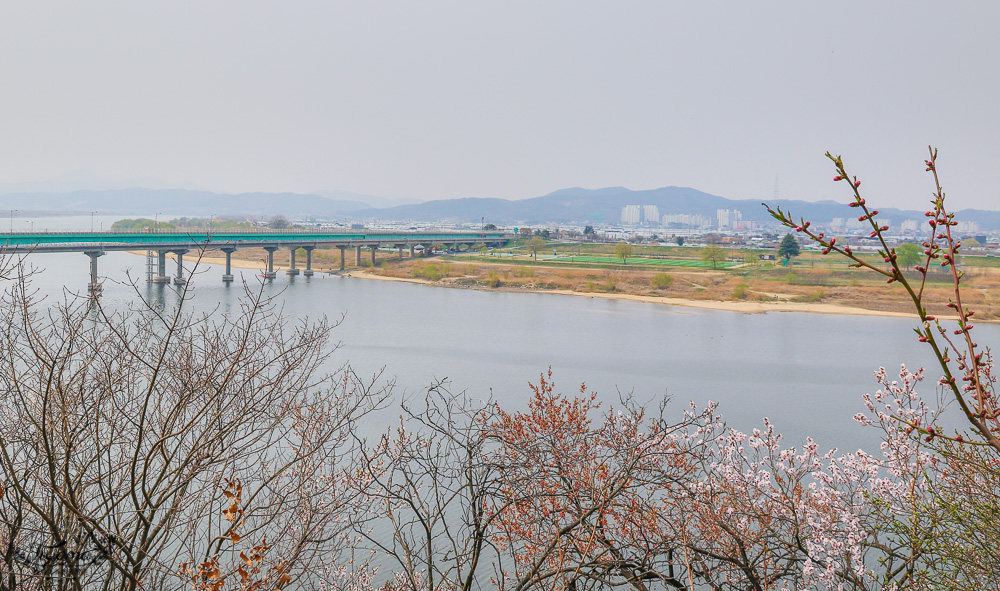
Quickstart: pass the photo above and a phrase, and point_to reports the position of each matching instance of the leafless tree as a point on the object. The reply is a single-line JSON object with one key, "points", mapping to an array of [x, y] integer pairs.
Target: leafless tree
{"points": [[119, 431], [436, 498]]}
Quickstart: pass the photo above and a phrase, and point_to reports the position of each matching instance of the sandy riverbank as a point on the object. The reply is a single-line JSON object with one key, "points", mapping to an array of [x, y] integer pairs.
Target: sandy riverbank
{"points": [[732, 306], [746, 307]]}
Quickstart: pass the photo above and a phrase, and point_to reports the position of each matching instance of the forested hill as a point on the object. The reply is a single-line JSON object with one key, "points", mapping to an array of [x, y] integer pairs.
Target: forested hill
{"points": [[605, 206]]}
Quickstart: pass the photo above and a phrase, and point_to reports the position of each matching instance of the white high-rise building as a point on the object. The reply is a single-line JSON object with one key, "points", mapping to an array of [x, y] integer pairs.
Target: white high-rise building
{"points": [[632, 215], [967, 227], [636, 215], [728, 218], [693, 220], [650, 215]]}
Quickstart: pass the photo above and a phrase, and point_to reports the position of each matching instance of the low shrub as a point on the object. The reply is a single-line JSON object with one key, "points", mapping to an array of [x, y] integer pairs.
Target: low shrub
{"points": [[662, 281]]}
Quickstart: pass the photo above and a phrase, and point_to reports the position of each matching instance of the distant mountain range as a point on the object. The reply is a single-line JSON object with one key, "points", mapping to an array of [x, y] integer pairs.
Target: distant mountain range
{"points": [[179, 202], [605, 206], [567, 206]]}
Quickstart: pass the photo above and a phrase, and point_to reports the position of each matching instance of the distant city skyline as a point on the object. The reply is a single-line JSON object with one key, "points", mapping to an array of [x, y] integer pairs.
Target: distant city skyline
{"points": [[444, 100]]}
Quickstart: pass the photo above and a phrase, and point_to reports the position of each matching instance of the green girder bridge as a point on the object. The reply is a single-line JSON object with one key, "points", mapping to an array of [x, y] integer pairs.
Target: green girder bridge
{"points": [[158, 243]]}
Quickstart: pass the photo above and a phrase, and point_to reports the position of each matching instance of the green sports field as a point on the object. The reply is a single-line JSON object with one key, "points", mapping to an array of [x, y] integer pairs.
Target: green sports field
{"points": [[608, 260]]}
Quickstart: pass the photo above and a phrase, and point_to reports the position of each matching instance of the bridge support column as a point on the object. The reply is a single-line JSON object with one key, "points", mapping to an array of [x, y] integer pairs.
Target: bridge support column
{"points": [[229, 263], [180, 279], [309, 261], [342, 250], [94, 288], [357, 257], [374, 248], [400, 247], [412, 251], [291, 270], [161, 268], [269, 272]]}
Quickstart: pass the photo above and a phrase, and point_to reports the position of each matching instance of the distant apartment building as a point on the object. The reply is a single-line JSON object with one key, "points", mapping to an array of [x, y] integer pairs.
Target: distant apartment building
{"points": [[909, 226], [728, 218], [684, 220], [641, 215], [965, 227], [631, 215]]}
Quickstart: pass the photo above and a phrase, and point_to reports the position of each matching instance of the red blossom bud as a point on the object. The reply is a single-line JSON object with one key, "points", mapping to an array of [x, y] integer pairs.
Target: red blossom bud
{"points": [[838, 178], [857, 184], [932, 223]]}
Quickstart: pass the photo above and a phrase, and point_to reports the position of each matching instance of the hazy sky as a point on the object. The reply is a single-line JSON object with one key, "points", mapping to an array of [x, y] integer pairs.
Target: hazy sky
{"points": [[510, 99]]}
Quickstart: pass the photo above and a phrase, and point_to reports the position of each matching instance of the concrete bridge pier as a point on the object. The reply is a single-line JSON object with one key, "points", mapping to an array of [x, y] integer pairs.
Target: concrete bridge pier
{"points": [[94, 288], [412, 250], [357, 256], [374, 247], [342, 250], [161, 268], [309, 261], [229, 263], [269, 272], [180, 279], [292, 270]]}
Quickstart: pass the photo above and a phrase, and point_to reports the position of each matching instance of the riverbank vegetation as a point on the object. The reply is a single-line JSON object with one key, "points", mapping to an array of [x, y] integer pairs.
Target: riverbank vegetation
{"points": [[726, 276]]}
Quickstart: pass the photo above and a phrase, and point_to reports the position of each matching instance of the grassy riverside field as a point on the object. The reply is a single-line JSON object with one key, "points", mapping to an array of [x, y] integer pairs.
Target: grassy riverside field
{"points": [[672, 272]]}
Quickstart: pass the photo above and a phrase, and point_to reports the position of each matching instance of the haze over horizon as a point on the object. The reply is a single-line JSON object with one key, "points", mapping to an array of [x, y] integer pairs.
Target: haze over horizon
{"points": [[441, 100]]}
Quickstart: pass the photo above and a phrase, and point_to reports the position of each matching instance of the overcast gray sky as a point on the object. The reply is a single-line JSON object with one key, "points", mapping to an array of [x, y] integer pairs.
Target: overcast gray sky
{"points": [[512, 99]]}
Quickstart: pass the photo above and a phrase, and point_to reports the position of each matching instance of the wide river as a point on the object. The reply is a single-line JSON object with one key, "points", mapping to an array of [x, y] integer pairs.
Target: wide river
{"points": [[806, 372]]}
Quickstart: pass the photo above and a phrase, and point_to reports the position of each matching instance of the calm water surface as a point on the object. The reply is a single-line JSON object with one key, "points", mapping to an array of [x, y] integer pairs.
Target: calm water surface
{"points": [[806, 372]]}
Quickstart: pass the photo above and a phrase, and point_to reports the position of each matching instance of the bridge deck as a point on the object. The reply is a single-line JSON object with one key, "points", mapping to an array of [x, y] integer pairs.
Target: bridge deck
{"points": [[159, 240]]}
